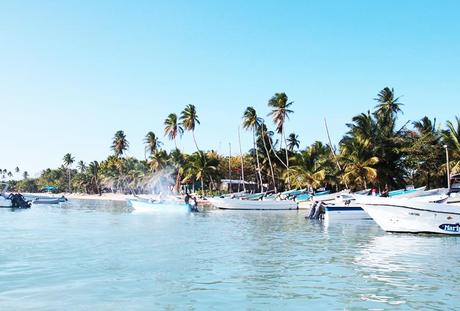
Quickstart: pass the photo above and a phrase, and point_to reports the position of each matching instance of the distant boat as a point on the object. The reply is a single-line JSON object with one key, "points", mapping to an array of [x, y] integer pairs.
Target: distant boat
{"points": [[48, 200], [149, 206], [408, 215], [235, 204]]}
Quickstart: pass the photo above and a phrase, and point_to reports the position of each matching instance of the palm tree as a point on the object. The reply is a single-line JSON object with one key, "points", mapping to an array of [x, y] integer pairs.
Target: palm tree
{"points": [[178, 160], [25, 175], [189, 119], [119, 144], [280, 113], [10, 174], [199, 166], [152, 143], [252, 122], [358, 169], [264, 135], [158, 160], [173, 128], [452, 139], [387, 105], [68, 161], [93, 169], [81, 166], [293, 141]]}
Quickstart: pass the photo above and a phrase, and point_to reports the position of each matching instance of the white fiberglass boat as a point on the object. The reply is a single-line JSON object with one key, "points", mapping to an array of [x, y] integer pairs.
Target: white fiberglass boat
{"points": [[4, 202], [235, 204], [408, 215], [149, 206], [344, 207]]}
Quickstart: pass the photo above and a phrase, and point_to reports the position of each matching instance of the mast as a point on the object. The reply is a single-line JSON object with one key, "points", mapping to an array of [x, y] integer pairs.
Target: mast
{"points": [[230, 167], [242, 161], [332, 149]]}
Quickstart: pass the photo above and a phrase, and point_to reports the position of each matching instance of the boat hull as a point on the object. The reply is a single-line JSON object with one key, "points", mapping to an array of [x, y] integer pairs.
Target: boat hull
{"points": [[144, 206], [339, 213], [265, 205], [413, 217], [5, 202]]}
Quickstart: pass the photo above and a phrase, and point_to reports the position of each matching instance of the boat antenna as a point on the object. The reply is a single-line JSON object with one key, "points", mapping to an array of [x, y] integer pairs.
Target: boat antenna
{"points": [[332, 150]]}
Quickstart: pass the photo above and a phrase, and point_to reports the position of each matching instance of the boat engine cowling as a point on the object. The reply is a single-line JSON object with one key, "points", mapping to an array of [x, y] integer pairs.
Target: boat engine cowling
{"points": [[18, 201]]}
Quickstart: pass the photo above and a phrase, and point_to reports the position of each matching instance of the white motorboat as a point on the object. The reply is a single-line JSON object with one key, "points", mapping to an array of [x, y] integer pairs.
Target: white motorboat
{"points": [[408, 215], [235, 204], [39, 200], [344, 207], [330, 196], [4, 202], [149, 206]]}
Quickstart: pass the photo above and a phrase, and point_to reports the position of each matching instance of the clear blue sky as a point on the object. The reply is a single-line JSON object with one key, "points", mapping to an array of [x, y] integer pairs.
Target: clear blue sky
{"points": [[74, 72]]}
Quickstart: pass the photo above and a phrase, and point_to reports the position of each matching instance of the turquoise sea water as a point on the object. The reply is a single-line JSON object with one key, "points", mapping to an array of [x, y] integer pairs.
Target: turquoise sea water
{"points": [[100, 256]]}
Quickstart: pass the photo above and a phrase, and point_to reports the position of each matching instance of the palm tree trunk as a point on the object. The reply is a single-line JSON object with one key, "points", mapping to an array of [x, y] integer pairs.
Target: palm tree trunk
{"points": [[202, 186], [269, 160], [194, 140], [287, 161], [274, 152], [69, 179], [257, 158], [176, 186]]}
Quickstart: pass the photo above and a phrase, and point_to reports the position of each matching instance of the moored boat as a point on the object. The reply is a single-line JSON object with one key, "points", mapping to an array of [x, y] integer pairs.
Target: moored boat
{"points": [[408, 215], [235, 204], [149, 206]]}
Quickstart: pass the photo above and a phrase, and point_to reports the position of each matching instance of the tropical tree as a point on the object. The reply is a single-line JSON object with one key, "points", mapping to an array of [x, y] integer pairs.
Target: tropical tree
{"points": [[252, 122], [309, 167], [388, 105], [68, 161], [189, 120], [173, 128], [359, 170], [93, 169], [265, 136], [158, 160], [152, 143], [81, 166], [280, 114], [119, 144], [25, 175], [293, 142], [198, 166], [177, 159], [451, 138]]}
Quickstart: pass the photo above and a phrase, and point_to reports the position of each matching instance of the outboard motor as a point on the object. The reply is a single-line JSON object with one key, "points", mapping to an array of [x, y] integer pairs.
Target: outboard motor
{"points": [[312, 210], [18, 201], [319, 211]]}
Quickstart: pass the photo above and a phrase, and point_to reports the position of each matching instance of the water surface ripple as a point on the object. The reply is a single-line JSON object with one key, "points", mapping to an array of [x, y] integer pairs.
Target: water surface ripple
{"points": [[96, 255]]}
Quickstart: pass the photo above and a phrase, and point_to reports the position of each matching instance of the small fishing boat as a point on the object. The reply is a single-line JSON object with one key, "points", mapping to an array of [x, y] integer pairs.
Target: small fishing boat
{"points": [[48, 200], [149, 206], [408, 215], [235, 204], [345, 207]]}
